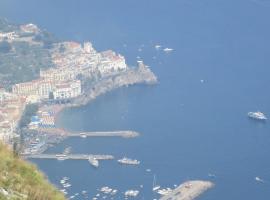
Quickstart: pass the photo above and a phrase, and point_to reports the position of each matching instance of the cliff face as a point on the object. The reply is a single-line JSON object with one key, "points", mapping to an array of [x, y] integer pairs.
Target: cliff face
{"points": [[21, 180]]}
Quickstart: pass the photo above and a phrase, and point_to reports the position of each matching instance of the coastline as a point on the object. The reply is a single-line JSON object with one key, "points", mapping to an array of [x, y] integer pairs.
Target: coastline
{"points": [[141, 75], [132, 76]]}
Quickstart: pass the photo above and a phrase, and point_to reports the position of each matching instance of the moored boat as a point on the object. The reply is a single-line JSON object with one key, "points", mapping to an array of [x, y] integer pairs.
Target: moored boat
{"points": [[257, 115], [128, 161]]}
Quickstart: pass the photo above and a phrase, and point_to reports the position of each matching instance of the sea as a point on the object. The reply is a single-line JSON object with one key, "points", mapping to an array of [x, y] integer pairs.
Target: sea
{"points": [[194, 122]]}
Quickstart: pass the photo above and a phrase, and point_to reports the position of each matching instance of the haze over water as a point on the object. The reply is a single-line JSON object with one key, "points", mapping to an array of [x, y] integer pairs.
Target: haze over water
{"points": [[189, 127]]}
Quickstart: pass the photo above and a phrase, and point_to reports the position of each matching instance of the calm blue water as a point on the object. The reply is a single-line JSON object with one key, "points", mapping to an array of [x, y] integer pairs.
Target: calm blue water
{"points": [[189, 129]]}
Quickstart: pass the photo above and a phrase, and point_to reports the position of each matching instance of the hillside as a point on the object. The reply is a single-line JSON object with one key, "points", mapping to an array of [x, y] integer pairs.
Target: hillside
{"points": [[24, 50], [21, 180]]}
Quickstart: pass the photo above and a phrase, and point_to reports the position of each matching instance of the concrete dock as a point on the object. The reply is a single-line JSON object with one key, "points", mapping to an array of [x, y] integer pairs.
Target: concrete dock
{"points": [[69, 156], [124, 134], [188, 190]]}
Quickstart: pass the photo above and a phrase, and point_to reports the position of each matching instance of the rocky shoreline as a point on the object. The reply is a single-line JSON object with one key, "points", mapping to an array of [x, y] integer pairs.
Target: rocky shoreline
{"points": [[132, 76], [140, 75]]}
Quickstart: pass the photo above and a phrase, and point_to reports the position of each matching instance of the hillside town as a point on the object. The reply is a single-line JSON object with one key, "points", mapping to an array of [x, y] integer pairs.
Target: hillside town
{"points": [[62, 82], [74, 65]]}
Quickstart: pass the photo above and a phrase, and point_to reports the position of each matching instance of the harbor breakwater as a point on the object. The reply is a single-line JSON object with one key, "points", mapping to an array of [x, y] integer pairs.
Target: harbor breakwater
{"points": [[132, 76], [140, 75]]}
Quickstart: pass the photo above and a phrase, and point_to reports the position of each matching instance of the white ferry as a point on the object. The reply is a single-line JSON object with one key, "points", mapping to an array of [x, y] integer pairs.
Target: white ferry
{"points": [[128, 161], [257, 115]]}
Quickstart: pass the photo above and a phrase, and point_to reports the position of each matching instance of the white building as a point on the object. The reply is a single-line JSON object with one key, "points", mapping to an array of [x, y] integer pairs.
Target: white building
{"points": [[67, 90], [58, 74], [4, 95], [88, 48], [40, 87], [44, 89], [111, 62], [25, 89]]}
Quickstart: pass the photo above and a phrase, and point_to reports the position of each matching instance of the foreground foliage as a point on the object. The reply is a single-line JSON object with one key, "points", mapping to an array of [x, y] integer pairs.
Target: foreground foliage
{"points": [[22, 180]]}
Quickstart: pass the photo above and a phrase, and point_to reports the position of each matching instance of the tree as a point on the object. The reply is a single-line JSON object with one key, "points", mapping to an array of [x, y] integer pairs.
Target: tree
{"points": [[15, 149], [30, 110]]}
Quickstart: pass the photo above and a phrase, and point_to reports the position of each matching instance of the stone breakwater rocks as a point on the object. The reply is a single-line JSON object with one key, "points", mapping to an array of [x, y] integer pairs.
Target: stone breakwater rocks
{"points": [[129, 77], [188, 190]]}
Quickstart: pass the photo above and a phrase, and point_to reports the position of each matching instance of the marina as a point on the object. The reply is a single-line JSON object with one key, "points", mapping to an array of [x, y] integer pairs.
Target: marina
{"points": [[56, 135]]}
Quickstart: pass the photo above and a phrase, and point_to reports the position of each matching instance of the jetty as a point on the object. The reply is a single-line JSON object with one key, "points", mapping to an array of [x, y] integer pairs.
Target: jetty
{"points": [[69, 156], [124, 134], [188, 190]]}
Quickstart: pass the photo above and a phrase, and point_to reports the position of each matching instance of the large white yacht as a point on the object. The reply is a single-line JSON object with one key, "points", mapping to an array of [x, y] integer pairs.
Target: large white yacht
{"points": [[257, 115]]}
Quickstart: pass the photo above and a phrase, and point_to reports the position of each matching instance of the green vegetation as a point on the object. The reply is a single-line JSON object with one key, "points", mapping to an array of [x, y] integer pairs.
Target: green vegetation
{"points": [[30, 110], [23, 63], [21, 59], [22, 180], [46, 38]]}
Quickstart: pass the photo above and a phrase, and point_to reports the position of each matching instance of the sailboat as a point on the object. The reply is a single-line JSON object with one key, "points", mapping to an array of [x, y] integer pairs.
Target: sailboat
{"points": [[155, 186]]}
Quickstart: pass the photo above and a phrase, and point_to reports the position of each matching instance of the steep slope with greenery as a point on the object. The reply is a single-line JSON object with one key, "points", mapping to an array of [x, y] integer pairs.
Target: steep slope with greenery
{"points": [[22, 58], [21, 180]]}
